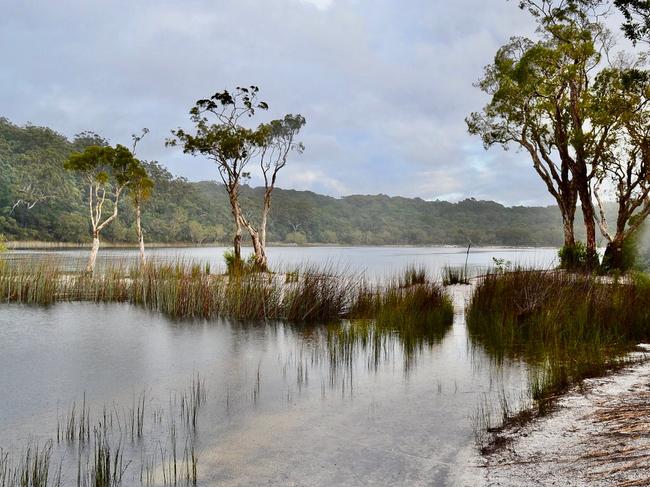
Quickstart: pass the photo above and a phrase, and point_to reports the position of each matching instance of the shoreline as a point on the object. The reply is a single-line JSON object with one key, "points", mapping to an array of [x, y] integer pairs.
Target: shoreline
{"points": [[598, 434], [43, 245]]}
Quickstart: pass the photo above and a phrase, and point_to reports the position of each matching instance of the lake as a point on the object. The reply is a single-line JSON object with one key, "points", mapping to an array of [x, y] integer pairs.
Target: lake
{"points": [[280, 408]]}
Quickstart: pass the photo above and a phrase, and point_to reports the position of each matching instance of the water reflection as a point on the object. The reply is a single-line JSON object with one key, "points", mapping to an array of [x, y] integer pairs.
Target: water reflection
{"points": [[349, 403]]}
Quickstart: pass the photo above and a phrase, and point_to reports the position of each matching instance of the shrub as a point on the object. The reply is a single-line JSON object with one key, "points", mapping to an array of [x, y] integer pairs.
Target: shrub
{"points": [[573, 257]]}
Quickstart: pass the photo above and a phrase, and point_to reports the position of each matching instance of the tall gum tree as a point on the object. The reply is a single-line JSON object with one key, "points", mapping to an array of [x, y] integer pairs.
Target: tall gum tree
{"points": [[519, 113], [542, 99], [277, 142], [221, 137], [107, 172], [140, 189], [626, 172]]}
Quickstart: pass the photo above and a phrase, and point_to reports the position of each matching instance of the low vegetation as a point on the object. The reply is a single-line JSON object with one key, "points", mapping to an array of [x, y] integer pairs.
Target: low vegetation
{"points": [[454, 275], [186, 290], [567, 327], [115, 446]]}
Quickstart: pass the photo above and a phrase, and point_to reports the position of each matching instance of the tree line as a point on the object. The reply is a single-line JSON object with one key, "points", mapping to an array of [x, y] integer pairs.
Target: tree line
{"points": [[32, 169]]}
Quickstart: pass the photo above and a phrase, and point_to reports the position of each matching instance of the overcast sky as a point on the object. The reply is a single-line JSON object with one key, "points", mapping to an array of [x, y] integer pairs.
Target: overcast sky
{"points": [[385, 85]]}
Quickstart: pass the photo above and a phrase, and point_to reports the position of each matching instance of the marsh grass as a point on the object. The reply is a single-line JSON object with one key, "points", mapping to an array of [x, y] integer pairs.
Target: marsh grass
{"points": [[185, 290], [566, 327], [410, 306], [94, 451], [33, 467], [454, 275]]}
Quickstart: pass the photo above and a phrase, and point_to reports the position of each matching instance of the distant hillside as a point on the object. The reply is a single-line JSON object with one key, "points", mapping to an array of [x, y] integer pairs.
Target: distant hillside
{"points": [[182, 211]]}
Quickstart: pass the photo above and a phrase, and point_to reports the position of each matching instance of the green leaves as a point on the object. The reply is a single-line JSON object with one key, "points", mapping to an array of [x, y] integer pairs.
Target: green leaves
{"points": [[103, 164]]}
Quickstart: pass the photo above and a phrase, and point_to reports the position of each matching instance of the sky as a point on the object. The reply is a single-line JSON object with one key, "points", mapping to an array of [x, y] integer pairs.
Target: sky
{"points": [[385, 85]]}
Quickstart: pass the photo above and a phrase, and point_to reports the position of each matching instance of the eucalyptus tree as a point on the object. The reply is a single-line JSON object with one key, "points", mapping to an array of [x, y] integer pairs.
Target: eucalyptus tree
{"points": [[626, 172], [542, 100], [277, 142], [107, 172], [221, 136], [140, 190]]}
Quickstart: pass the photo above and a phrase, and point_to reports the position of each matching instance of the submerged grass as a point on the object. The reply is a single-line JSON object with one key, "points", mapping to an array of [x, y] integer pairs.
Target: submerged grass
{"points": [[567, 327], [94, 451], [33, 468]]}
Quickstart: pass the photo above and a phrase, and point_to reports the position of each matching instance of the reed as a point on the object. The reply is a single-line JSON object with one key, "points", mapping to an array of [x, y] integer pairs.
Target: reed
{"points": [[410, 306], [185, 290], [33, 468], [567, 327], [454, 275]]}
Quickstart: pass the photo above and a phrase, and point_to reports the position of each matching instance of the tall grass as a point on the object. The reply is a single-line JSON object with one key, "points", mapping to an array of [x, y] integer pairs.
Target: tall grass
{"points": [[410, 306], [454, 275], [567, 327], [185, 290]]}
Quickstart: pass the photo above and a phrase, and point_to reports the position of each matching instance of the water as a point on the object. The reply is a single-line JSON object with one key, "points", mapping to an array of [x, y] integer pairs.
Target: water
{"points": [[278, 410], [373, 261]]}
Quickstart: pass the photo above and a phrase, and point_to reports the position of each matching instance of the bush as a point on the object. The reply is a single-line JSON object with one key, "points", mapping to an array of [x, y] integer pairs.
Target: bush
{"points": [[239, 266], [573, 257]]}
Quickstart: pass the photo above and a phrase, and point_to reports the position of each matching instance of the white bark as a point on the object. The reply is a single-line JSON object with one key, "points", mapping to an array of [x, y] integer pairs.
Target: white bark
{"points": [[138, 227], [93, 254], [96, 204]]}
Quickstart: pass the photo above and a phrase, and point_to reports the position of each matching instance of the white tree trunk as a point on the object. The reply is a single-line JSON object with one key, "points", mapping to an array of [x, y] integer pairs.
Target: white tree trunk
{"points": [[138, 226], [93, 254]]}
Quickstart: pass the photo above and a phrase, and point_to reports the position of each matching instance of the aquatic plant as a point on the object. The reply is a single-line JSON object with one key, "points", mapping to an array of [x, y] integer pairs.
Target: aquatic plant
{"points": [[567, 327], [183, 290], [32, 468], [454, 275]]}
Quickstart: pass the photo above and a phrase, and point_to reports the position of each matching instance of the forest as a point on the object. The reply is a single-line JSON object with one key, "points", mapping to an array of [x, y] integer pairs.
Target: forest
{"points": [[40, 200]]}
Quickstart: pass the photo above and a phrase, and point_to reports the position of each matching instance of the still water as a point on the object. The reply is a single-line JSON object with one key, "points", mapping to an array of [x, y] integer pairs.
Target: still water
{"points": [[280, 408]]}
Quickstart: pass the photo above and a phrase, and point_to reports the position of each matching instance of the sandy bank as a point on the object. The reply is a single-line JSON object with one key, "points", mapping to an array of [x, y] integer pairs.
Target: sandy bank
{"points": [[598, 436]]}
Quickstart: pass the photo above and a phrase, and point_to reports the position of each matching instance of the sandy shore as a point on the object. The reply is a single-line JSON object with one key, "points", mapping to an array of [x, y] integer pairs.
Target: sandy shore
{"points": [[598, 436]]}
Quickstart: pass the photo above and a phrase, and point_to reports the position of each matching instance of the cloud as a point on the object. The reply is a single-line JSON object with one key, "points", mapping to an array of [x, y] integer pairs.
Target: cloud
{"points": [[385, 86]]}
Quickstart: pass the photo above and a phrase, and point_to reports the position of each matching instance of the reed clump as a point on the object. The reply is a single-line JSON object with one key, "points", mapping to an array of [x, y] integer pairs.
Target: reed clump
{"points": [[29, 282], [405, 303], [186, 290], [567, 327], [454, 275], [410, 306]]}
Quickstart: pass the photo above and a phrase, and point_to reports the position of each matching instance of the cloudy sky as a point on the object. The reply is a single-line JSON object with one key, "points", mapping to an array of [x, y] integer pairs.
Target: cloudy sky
{"points": [[385, 85]]}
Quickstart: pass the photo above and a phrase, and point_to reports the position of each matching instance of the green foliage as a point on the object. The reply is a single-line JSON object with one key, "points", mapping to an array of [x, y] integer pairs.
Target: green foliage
{"points": [[501, 265], [103, 164], [623, 257], [637, 19], [573, 257], [3, 245]]}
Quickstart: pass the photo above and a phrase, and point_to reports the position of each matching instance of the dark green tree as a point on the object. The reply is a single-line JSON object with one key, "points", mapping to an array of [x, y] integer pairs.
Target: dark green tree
{"points": [[542, 100]]}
